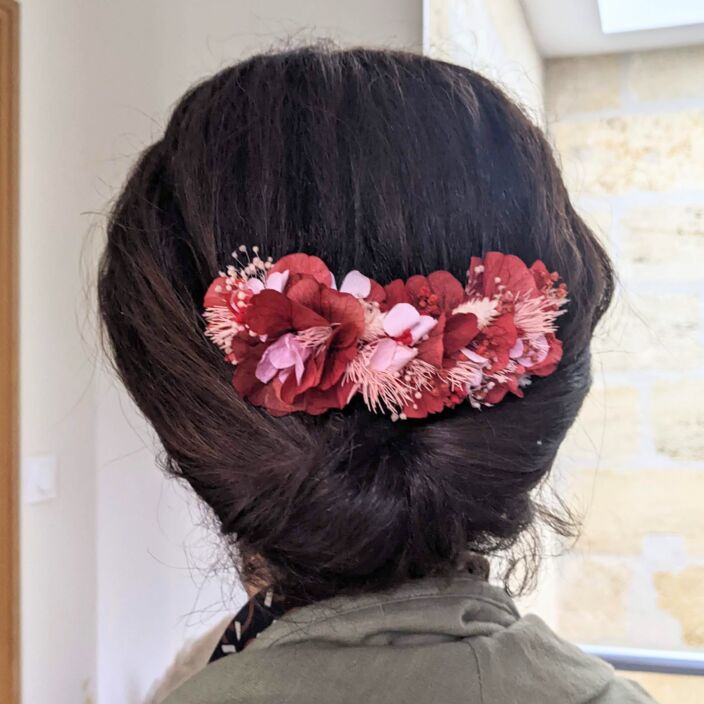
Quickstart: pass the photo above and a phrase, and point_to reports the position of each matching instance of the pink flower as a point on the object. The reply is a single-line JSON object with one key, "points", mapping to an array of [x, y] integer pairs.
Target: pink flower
{"points": [[531, 351], [280, 358], [391, 356], [405, 324], [475, 367], [356, 284], [275, 281]]}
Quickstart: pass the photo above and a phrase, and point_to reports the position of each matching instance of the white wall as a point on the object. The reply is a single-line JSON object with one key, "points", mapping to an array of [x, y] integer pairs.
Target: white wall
{"points": [[492, 37], [107, 593]]}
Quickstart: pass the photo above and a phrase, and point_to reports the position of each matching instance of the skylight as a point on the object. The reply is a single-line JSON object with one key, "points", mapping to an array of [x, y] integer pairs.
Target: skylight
{"points": [[636, 15]]}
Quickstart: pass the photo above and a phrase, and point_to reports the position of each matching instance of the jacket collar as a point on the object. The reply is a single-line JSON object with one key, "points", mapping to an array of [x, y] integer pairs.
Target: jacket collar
{"points": [[462, 641], [424, 609]]}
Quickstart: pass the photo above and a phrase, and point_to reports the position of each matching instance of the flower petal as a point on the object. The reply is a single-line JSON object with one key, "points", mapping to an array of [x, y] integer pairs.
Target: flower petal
{"points": [[306, 292], [269, 314], [460, 330], [497, 269], [517, 350], [356, 284], [304, 264], [447, 288], [277, 280], [402, 317], [265, 370], [283, 353], [390, 356], [395, 292], [383, 355], [255, 285], [536, 352], [338, 396], [423, 327], [473, 356], [343, 309], [217, 294], [431, 350]]}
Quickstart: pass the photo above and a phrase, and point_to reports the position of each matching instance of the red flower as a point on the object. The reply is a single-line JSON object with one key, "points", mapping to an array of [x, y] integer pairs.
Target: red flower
{"points": [[548, 365], [334, 322], [218, 296], [312, 401], [435, 400], [548, 283], [435, 294], [495, 342], [299, 265], [498, 272], [460, 330]]}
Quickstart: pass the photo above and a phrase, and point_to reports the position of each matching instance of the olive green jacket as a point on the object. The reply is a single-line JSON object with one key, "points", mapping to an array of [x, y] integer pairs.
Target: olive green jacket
{"points": [[431, 640]]}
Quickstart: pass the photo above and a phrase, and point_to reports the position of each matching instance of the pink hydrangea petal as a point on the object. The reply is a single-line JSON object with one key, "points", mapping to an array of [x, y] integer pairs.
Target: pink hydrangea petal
{"points": [[476, 378], [391, 356], [265, 370], [402, 356], [282, 356], [300, 363], [383, 355], [255, 285], [473, 356], [402, 317], [356, 284], [423, 327], [277, 280], [538, 349], [517, 350]]}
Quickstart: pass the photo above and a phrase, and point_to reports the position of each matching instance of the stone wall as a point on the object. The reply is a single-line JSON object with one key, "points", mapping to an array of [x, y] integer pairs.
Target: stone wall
{"points": [[629, 131]]}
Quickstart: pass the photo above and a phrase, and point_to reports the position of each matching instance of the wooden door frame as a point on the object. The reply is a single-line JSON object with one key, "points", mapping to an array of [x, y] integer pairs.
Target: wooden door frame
{"points": [[9, 358]]}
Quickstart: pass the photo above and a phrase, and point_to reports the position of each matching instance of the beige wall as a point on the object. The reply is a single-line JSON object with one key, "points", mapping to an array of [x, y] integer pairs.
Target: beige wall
{"points": [[630, 132], [107, 588]]}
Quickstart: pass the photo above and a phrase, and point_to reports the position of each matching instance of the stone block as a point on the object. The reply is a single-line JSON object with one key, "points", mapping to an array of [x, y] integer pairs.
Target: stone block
{"points": [[640, 152], [670, 689], [667, 74], [663, 242], [678, 421], [607, 430], [621, 508], [650, 332], [584, 84], [599, 217], [592, 596], [682, 596]]}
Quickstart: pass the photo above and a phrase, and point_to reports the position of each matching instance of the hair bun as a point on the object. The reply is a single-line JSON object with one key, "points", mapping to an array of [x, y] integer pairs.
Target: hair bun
{"points": [[397, 166]]}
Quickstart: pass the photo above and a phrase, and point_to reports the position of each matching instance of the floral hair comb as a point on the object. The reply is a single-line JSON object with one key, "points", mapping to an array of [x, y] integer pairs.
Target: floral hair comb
{"points": [[411, 347]]}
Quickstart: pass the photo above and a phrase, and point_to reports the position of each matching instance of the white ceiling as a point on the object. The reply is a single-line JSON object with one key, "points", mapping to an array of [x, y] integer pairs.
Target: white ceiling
{"points": [[572, 28]]}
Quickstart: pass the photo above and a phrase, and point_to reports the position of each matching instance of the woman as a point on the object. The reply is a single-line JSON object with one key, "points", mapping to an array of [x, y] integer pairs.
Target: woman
{"points": [[350, 292]]}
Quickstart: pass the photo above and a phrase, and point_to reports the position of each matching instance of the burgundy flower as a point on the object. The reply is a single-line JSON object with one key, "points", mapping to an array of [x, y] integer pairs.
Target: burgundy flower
{"points": [[496, 273], [435, 294], [299, 265], [327, 325]]}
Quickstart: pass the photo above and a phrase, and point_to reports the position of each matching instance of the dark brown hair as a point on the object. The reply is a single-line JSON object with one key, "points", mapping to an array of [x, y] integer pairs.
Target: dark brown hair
{"points": [[391, 163]]}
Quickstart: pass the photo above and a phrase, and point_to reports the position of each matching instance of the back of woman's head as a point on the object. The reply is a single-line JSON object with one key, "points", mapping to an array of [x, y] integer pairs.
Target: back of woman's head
{"points": [[386, 162]]}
